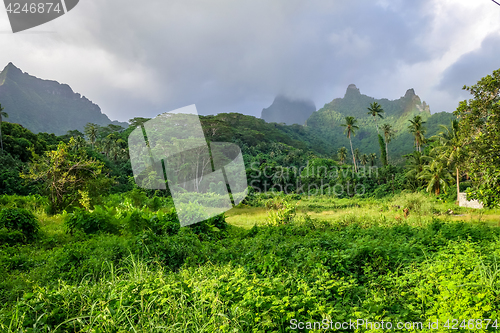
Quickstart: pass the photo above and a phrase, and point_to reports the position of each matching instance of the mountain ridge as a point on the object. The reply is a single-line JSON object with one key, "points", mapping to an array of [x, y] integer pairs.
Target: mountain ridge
{"points": [[288, 110], [327, 120], [30, 101]]}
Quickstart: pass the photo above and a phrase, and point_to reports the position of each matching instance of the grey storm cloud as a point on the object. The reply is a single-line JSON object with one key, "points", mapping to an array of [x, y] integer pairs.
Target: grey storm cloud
{"points": [[144, 58], [228, 56], [471, 67]]}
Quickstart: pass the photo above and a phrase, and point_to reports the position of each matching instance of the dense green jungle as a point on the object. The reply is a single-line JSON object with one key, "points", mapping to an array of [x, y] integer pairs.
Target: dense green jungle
{"points": [[336, 233]]}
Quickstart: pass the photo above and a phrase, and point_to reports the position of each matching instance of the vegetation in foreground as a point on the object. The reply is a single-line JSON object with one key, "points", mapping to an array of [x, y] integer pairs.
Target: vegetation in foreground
{"points": [[130, 267]]}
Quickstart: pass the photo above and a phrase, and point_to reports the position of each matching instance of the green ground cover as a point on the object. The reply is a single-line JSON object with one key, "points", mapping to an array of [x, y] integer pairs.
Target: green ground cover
{"points": [[271, 261]]}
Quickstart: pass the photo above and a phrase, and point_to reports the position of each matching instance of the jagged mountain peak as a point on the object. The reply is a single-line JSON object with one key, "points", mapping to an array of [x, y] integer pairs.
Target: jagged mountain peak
{"points": [[288, 110], [44, 105], [352, 91], [410, 93]]}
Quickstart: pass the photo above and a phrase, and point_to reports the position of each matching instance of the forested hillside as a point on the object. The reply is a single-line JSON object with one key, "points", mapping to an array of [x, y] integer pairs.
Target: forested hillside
{"points": [[327, 122], [46, 106]]}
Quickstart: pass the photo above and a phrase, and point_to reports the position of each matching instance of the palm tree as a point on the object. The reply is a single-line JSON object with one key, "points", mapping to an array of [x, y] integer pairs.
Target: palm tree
{"points": [[373, 158], [388, 136], [375, 110], [4, 115], [79, 142], [356, 154], [91, 130], [107, 144], [450, 148], [418, 130], [415, 164], [342, 154], [437, 175], [364, 159], [350, 128]]}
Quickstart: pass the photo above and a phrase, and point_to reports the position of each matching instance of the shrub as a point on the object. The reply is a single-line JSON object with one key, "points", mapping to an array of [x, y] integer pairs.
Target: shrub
{"points": [[281, 211], [165, 224], [135, 222], [11, 237], [154, 203], [137, 197], [19, 219], [89, 222], [417, 203]]}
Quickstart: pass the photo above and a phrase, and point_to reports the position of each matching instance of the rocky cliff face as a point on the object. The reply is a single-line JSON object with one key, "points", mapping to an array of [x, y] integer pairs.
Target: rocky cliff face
{"points": [[288, 111], [44, 105]]}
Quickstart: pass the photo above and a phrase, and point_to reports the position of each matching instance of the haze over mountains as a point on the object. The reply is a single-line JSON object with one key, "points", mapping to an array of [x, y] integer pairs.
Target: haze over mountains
{"points": [[288, 111], [46, 106]]}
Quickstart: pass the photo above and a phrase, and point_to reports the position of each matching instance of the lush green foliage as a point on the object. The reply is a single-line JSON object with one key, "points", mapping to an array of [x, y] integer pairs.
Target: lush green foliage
{"points": [[19, 219], [68, 175], [358, 265], [480, 134]]}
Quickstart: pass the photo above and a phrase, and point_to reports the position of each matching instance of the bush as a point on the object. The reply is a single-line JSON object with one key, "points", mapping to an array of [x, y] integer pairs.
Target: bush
{"points": [[11, 237], [19, 219], [137, 197], [165, 224], [417, 203], [89, 222], [281, 211]]}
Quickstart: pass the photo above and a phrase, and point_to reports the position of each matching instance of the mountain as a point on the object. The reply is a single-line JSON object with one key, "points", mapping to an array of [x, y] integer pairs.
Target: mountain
{"points": [[288, 111], [46, 106], [327, 121]]}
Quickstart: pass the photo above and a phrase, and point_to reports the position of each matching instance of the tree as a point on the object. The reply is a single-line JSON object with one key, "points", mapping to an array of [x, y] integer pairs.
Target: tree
{"points": [[74, 133], [479, 133], [91, 131], [373, 158], [437, 176], [342, 154], [68, 176], [450, 149], [375, 110], [418, 130], [107, 145], [138, 121], [383, 155], [388, 132], [415, 163], [364, 159], [356, 154], [3, 114], [350, 128], [79, 143]]}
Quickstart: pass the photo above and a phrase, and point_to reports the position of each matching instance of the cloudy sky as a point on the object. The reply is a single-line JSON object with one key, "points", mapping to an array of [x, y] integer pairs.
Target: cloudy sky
{"points": [[142, 58]]}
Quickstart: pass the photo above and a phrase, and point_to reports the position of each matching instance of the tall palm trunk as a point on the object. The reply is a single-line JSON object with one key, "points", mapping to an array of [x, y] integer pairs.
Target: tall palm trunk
{"points": [[458, 187], [376, 124], [352, 152], [386, 151], [1, 139]]}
